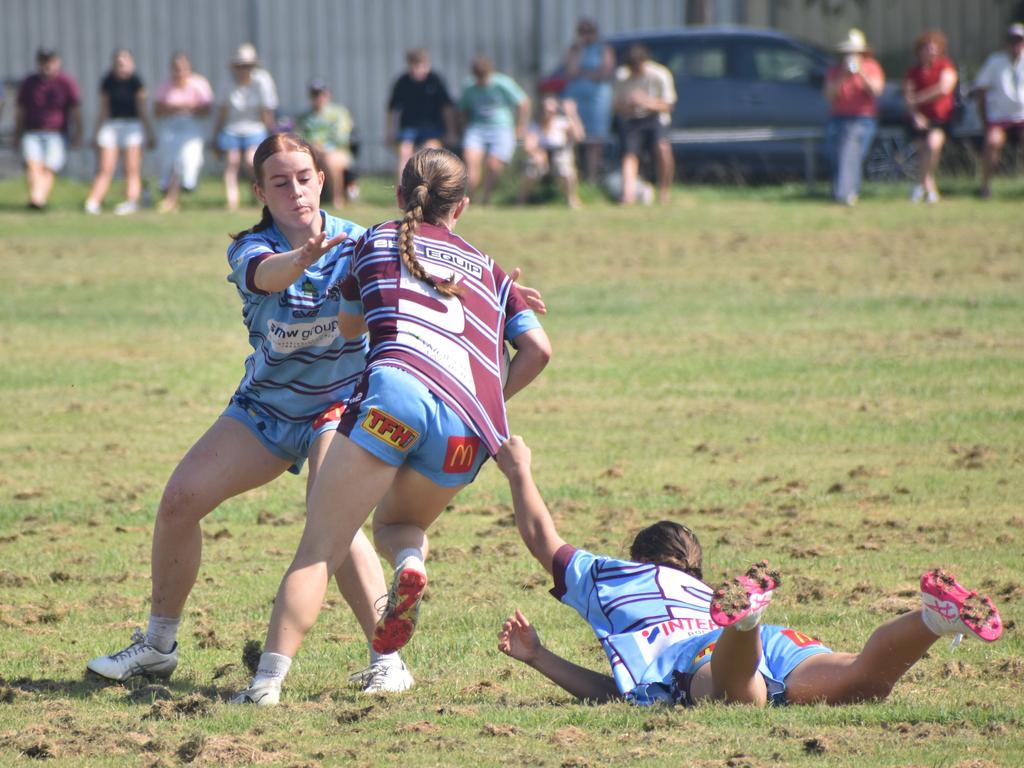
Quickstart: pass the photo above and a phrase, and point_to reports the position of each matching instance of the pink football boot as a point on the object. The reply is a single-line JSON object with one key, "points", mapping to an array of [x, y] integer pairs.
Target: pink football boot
{"points": [[950, 609], [741, 601]]}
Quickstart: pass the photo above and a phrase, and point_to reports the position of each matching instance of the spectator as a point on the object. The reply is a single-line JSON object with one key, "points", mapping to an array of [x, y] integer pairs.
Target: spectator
{"points": [[47, 119], [494, 114], [121, 124], [550, 148], [643, 99], [852, 87], [328, 129], [421, 108], [928, 91], [245, 118], [181, 102], [1000, 91], [590, 65]]}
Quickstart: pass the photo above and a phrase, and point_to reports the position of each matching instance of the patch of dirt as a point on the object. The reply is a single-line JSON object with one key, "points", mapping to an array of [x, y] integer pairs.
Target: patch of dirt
{"points": [[894, 604], [207, 638], [251, 653], [421, 726], [352, 715], [957, 669], [11, 579], [491, 729], [817, 745], [150, 694], [975, 457], [190, 706], [568, 736]]}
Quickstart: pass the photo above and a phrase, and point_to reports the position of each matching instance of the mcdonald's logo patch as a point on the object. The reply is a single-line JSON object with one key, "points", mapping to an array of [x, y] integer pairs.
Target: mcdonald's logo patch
{"points": [[703, 653], [331, 414], [389, 430], [461, 454], [799, 638]]}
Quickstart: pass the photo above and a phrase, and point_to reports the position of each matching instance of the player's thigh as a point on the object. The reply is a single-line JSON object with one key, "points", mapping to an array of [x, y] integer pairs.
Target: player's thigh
{"points": [[226, 461], [824, 677], [413, 499]]}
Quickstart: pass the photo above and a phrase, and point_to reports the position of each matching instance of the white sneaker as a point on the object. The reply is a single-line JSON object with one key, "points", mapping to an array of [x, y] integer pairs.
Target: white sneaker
{"points": [[917, 193], [127, 208], [139, 658], [262, 694], [93, 209], [383, 677], [932, 197]]}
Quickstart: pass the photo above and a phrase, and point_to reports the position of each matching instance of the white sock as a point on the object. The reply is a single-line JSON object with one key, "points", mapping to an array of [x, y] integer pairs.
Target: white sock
{"points": [[272, 669], [162, 632], [749, 621], [386, 658], [409, 552], [936, 624]]}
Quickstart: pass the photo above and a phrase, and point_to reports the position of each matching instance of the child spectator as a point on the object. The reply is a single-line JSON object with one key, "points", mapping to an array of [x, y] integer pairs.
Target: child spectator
{"points": [[550, 146]]}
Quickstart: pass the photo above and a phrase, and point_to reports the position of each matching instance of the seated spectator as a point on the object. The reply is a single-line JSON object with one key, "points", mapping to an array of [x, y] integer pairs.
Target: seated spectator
{"points": [[852, 87], [999, 88], [550, 148], [121, 126], [643, 99], [328, 129], [495, 111], [421, 108], [47, 119], [181, 103], [928, 91], [246, 117]]}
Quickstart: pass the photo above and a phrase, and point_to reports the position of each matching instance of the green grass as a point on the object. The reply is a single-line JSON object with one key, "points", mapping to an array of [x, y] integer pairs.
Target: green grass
{"points": [[839, 390]]}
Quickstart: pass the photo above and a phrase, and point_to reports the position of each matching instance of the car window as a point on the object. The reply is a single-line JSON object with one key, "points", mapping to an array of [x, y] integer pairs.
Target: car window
{"points": [[691, 60], [777, 64]]}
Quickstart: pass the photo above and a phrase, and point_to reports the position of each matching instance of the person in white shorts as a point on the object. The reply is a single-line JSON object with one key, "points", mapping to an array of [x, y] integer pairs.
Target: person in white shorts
{"points": [[179, 105]]}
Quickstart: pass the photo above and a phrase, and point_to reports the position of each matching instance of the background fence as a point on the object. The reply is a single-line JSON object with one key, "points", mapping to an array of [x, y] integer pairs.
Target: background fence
{"points": [[358, 45]]}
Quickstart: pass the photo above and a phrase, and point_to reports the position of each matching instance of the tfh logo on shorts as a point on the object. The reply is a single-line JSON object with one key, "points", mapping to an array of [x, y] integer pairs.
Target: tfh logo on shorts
{"points": [[389, 430], [461, 454]]}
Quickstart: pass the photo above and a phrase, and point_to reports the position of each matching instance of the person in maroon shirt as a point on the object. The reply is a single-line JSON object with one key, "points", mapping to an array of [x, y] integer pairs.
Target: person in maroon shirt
{"points": [[47, 119], [928, 92]]}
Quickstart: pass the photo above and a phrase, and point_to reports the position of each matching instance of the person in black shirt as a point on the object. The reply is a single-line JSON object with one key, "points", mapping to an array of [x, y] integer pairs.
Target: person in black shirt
{"points": [[420, 111], [121, 124]]}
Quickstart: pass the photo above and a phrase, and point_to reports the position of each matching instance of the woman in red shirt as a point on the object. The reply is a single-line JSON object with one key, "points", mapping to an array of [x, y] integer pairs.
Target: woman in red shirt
{"points": [[928, 91]]}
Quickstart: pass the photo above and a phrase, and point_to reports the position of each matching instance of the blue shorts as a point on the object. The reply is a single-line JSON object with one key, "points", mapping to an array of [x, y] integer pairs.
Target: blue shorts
{"points": [[287, 440], [48, 148], [229, 141], [397, 419], [499, 142], [419, 134], [782, 650]]}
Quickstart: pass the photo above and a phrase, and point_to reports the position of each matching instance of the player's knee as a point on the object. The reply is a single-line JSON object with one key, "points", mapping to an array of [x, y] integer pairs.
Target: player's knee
{"points": [[178, 504]]}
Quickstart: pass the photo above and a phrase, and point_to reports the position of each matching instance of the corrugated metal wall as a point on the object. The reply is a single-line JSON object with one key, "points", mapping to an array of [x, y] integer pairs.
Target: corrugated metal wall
{"points": [[358, 45]]}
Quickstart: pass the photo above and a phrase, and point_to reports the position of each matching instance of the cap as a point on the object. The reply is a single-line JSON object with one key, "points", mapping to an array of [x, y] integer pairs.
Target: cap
{"points": [[43, 53], [854, 42], [246, 55], [1015, 30], [317, 85]]}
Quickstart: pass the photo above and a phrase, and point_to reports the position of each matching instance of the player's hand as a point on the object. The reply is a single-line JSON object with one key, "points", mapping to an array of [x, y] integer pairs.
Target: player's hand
{"points": [[513, 457], [531, 295], [316, 247], [519, 639]]}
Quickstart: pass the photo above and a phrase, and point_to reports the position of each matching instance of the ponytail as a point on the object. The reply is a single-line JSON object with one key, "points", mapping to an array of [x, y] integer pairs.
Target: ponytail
{"points": [[266, 221]]}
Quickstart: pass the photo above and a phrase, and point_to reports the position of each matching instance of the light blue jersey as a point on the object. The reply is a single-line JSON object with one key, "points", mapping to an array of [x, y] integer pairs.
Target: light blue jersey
{"points": [[299, 365]]}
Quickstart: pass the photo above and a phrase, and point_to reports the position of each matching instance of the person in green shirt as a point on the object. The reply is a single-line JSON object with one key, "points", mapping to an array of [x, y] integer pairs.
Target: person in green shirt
{"points": [[328, 128], [494, 112]]}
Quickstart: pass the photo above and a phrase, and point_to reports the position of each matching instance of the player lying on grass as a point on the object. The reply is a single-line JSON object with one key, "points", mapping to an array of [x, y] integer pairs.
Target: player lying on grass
{"points": [[670, 638]]}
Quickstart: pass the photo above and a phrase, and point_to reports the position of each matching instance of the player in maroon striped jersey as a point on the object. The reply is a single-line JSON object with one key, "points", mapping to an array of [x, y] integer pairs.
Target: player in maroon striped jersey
{"points": [[428, 411]]}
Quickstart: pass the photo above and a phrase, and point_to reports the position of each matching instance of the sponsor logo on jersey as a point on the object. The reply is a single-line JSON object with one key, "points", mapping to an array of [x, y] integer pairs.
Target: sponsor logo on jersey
{"points": [[389, 430], [288, 337], [331, 414], [800, 639], [655, 638], [462, 452], [308, 289], [461, 263]]}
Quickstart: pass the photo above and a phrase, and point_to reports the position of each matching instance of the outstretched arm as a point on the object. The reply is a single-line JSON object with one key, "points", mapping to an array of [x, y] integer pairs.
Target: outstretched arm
{"points": [[519, 640], [280, 270], [532, 516]]}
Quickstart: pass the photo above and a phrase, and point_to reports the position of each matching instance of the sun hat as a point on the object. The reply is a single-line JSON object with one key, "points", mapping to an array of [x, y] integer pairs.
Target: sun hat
{"points": [[1015, 30], [246, 56], [854, 42]]}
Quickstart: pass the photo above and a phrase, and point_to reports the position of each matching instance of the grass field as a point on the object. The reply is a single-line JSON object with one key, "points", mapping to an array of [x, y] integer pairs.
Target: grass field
{"points": [[838, 390]]}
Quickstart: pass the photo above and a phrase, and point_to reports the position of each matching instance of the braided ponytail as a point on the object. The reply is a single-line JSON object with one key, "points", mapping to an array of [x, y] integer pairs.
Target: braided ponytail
{"points": [[434, 181]]}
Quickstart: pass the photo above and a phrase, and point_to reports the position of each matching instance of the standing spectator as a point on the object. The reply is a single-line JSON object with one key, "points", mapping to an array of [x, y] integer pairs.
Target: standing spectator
{"points": [[590, 65], [328, 129], [928, 91], [121, 124], [181, 103], [495, 111], [644, 96], [245, 118], [852, 87], [1000, 91], [421, 108], [550, 148], [48, 118]]}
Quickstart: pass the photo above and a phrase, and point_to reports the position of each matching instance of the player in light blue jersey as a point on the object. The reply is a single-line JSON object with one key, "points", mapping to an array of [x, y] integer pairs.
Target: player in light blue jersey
{"points": [[286, 408], [672, 639]]}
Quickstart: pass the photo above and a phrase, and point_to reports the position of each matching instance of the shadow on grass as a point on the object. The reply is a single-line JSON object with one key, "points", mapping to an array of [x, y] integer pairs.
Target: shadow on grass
{"points": [[143, 691]]}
